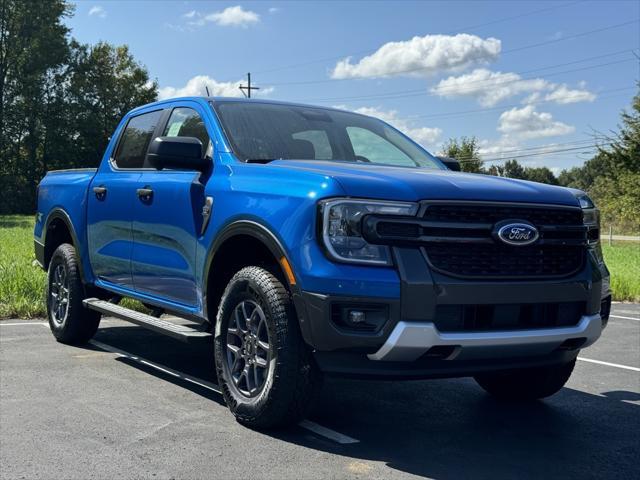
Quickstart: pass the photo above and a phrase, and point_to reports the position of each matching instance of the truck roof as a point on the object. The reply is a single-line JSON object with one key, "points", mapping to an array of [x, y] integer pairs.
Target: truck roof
{"points": [[233, 99]]}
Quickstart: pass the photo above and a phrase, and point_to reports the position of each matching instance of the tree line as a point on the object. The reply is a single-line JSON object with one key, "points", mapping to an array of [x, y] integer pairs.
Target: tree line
{"points": [[60, 100], [611, 177]]}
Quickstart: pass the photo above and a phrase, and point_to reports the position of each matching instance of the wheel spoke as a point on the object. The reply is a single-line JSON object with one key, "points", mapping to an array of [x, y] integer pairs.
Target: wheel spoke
{"points": [[248, 349]]}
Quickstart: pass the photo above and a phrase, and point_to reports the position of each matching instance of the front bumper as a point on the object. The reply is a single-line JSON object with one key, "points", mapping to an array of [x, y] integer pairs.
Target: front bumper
{"points": [[409, 341], [410, 345]]}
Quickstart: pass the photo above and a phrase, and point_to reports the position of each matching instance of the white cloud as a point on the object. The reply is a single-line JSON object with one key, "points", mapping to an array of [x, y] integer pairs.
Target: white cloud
{"points": [[563, 95], [190, 14], [98, 11], [197, 86], [497, 148], [422, 56], [490, 88], [425, 136], [233, 17], [274, 9], [527, 123]]}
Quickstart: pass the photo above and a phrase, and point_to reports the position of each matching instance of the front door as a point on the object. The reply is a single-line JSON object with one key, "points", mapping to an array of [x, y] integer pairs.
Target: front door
{"points": [[111, 197], [167, 221]]}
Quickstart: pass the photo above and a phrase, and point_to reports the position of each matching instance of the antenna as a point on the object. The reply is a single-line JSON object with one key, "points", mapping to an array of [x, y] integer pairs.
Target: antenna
{"points": [[207, 89]]}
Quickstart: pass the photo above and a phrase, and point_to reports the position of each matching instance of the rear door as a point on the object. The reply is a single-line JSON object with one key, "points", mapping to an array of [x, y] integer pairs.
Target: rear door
{"points": [[168, 218], [111, 201]]}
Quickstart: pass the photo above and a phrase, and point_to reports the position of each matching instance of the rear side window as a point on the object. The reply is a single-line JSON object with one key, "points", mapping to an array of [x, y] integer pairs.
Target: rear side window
{"points": [[185, 122], [135, 140]]}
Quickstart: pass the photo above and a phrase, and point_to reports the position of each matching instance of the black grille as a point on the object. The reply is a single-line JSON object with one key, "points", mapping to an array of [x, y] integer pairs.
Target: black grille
{"points": [[495, 260], [494, 213], [467, 318], [460, 239]]}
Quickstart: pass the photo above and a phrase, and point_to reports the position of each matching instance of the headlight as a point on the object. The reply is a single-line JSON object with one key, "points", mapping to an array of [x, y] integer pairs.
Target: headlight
{"points": [[342, 228], [591, 219]]}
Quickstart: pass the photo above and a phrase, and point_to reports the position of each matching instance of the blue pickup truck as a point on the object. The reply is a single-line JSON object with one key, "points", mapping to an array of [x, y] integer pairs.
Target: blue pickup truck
{"points": [[307, 241]]}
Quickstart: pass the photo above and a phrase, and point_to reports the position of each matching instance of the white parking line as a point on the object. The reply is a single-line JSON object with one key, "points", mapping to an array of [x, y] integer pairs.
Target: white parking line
{"points": [[328, 433], [175, 373], [616, 365], [309, 425], [625, 318], [7, 324]]}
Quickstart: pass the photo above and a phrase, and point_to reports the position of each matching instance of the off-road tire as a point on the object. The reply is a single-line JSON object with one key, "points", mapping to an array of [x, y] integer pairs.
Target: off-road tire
{"points": [[292, 380], [526, 384], [78, 324]]}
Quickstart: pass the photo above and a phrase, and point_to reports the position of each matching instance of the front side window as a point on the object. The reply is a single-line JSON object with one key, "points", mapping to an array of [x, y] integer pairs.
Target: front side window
{"points": [[371, 147], [186, 122], [135, 140], [262, 131]]}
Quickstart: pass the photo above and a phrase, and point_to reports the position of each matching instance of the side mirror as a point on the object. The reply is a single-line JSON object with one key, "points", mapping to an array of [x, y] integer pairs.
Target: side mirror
{"points": [[179, 153], [450, 163]]}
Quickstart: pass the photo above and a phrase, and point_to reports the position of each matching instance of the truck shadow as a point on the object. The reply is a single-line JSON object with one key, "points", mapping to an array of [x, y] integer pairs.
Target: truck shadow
{"points": [[440, 428]]}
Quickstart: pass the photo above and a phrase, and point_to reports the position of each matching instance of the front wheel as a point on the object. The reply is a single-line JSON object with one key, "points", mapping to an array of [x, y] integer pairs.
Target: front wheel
{"points": [[527, 383], [267, 376], [70, 322]]}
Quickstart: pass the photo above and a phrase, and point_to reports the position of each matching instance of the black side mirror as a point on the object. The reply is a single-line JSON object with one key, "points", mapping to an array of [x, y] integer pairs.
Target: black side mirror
{"points": [[450, 163], [180, 153]]}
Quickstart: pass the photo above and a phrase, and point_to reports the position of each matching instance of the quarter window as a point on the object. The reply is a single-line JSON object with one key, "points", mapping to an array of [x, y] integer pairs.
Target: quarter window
{"points": [[135, 140], [186, 122]]}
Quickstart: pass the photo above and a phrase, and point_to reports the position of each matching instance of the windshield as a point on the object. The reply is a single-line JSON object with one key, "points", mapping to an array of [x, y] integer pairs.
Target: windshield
{"points": [[266, 131]]}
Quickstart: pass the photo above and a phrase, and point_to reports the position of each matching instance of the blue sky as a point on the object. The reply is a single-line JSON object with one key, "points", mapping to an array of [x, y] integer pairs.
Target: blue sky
{"points": [[531, 80]]}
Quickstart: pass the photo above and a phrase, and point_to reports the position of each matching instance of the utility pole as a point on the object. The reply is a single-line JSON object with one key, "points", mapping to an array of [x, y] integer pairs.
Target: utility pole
{"points": [[248, 88]]}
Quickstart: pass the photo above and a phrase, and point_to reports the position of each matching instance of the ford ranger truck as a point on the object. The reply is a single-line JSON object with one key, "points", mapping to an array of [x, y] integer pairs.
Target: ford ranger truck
{"points": [[307, 241]]}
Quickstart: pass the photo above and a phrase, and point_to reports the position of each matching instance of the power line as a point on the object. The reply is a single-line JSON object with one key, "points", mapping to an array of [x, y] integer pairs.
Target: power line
{"points": [[517, 49], [508, 156], [457, 30], [512, 105], [331, 80], [488, 83], [248, 87]]}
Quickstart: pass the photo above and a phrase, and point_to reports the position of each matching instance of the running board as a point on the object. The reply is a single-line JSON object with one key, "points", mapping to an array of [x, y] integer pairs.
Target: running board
{"points": [[180, 332]]}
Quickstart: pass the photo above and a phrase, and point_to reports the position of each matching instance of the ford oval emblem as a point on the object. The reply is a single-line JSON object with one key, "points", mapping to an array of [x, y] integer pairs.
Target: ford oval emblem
{"points": [[520, 234]]}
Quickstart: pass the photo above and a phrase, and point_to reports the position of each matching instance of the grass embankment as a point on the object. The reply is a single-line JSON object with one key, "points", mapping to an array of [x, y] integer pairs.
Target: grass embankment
{"points": [[22, 283]]}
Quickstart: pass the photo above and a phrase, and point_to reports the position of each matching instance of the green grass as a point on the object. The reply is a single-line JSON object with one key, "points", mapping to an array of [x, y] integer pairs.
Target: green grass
{"points": [[623, 260], [22, 283]]}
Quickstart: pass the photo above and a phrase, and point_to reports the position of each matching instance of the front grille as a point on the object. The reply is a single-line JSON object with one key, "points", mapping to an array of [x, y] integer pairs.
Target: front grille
{"points": [[478, 318], [494, 260], [459, 240], [469, 213]]}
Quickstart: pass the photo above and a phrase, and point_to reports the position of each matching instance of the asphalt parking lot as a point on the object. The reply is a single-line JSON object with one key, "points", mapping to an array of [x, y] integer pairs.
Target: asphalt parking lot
{"points": [[135, 404]]}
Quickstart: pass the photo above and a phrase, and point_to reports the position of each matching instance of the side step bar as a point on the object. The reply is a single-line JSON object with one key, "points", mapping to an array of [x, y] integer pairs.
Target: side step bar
{"points": [[180, 332]]}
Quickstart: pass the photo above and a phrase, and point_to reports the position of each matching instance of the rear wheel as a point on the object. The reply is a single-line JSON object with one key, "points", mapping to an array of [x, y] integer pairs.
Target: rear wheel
{"points": [[70, 322], [264, 368], [526, 384]]}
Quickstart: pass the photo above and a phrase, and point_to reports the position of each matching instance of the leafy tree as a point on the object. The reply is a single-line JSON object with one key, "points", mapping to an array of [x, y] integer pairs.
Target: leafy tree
{"points": [[612, 176], [33, 45], [466, 151], [541, 175], [619, 201], [59, 100], [105, 82]]}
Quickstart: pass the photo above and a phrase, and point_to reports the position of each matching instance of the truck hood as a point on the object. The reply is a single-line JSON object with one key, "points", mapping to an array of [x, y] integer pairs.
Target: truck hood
{"points": [[412, 184]]}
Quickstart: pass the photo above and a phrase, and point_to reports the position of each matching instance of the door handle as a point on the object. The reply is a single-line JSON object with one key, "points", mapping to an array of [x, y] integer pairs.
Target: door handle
{"points": [[100, 192], [144, 193]]}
